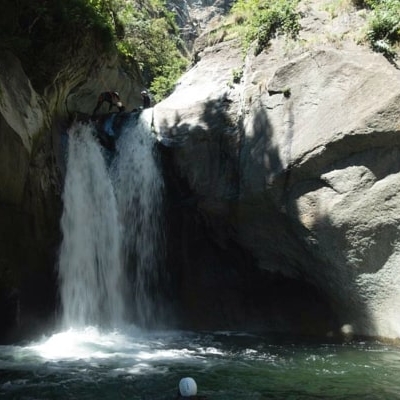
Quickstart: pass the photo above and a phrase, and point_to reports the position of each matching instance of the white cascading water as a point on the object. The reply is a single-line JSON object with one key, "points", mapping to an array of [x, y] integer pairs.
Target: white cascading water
{"points": [[90, 267], [110, 214], [139, 190]]}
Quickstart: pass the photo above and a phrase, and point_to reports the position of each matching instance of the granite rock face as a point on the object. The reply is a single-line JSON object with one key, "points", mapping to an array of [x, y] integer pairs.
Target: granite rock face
{"points": [[282, 175], [29, 201], [297, 164]]}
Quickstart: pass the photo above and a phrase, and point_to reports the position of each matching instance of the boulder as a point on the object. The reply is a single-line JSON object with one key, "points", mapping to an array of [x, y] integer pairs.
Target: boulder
{"points": [[298, 165]]}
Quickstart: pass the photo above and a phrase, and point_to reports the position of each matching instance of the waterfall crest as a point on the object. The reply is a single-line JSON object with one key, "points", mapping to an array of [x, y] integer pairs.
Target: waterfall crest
{"points": [[112, 245]]}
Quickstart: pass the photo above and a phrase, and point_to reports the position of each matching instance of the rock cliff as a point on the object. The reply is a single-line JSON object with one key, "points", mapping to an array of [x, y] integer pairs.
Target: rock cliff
{"points": [[297, 165], [282, 172]]}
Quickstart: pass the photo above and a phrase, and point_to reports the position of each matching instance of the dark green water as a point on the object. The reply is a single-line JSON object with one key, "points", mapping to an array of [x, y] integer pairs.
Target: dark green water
{"points": [[226, 365]]}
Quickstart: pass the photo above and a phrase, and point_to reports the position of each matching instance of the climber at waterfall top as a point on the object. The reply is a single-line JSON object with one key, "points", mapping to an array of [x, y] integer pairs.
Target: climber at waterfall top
{"points": [[146, 102], [112, 98], [145, 98]]}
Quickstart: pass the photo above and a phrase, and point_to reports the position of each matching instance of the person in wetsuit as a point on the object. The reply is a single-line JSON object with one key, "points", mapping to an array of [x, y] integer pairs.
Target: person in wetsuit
{"points": [[145, 98], [112, 98]]}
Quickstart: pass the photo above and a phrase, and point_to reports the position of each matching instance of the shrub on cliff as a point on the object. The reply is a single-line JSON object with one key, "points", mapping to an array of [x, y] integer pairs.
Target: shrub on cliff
{"points": [[258, 21], [262, 20], [42, 34], [384, 26], [151, 38]]}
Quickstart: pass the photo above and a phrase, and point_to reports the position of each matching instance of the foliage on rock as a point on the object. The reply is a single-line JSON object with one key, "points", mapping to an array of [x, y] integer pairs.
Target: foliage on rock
{"points": [[262, 20], [384, 26], [43, 33], [40, 33], [151, 38], [256, 22]]}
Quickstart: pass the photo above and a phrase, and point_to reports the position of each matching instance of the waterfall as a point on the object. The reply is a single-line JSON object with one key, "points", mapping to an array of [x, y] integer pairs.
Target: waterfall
{"points": [[111, 228], [90, 267], [139, 191]]}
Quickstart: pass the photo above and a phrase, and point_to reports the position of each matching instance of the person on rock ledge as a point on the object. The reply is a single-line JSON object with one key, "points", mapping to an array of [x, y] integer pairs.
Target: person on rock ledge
{"points": [[112, 98], [146, 102], [145, 98]]}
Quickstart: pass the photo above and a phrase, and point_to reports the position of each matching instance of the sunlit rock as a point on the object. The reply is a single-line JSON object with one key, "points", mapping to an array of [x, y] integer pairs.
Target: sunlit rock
{"points": [[298, 163]]}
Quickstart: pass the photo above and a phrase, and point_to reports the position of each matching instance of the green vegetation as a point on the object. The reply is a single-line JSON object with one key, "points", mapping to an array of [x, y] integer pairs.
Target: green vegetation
{"points": [[152, 40], [44, 34], [39, 33], [336, 7], [384, 26], [237, 75], [286, 92], [382, 31], [261, 20]]}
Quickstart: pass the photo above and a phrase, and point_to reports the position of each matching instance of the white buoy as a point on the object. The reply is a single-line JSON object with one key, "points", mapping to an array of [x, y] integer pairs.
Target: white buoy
{"points": [[187, 387]]}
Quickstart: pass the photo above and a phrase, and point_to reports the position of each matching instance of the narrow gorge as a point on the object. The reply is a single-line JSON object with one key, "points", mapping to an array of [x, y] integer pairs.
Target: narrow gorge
{"points": [[281, 176]]}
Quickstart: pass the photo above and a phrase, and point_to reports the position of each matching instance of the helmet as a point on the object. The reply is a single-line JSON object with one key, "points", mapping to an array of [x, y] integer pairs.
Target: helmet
{"points": [[143, 92], [187, 387], [116, 93]]}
